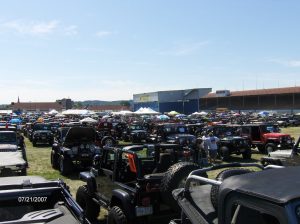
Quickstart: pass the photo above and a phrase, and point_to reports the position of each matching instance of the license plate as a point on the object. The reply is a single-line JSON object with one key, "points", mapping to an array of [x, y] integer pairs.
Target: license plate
{"points": [[43, 137], [142, 211], [85, 155]]}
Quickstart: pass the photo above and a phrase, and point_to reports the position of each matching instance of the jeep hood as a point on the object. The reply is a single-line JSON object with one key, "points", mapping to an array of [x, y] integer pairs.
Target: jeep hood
{"points": [[80, 134], [275, 135], [283, 154], [42, 131], [186, 136], [8, 148], [138, 131], [11, 159]]}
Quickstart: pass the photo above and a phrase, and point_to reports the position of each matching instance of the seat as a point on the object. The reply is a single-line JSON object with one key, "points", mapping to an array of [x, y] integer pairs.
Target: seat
{"points": [[164, 163]]}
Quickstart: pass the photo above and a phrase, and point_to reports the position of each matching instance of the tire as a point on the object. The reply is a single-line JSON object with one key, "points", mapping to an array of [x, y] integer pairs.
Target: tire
{"points": [[65, 165], [23, 172], [172, 179], [116, 216], [270, 147], [54, 160], [224, 153], [108, 141], [91, 208], [214, 193], [247, 154], [261, 149]]}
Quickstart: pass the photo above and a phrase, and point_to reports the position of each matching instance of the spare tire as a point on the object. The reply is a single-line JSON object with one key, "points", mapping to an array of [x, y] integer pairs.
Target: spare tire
{"points": [[214, 193], [108, 141], [175, 178]]}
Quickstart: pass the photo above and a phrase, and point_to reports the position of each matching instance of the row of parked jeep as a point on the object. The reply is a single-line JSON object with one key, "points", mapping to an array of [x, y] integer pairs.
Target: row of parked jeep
{"points": [[154, 181]]}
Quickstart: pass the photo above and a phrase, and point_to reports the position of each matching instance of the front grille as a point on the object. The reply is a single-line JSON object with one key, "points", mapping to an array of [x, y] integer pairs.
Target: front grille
{"points": [[8, 150]]}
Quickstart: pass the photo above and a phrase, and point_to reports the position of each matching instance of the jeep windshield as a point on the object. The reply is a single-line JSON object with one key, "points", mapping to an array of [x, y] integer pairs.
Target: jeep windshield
{"points": [[136, 127], [42, 127], [270, 129], [176, 130], [7, 137]]}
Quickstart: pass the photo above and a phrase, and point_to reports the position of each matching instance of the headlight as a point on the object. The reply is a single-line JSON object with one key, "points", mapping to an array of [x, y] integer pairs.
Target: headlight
{"points": [[298, 212], [81, 146], [194, 140], [181, 141], [75, 149], [92, 148]]}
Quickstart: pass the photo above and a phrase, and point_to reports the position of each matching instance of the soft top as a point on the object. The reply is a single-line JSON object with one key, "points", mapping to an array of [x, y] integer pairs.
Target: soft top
{"points": [[5, 182], [80, 134], [276, 185]]}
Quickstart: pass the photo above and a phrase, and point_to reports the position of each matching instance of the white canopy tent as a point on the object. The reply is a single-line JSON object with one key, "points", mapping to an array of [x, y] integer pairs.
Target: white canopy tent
{"points": [[146, 110], [88, 120], [78, 112], [53, 112], [123, 113], [60, 116]]}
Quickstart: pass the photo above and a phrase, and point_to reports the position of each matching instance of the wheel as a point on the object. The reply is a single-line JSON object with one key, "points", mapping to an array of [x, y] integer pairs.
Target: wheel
{"points": [[214, 193], [54, 160], [108, 141], [90, 207], [270, 147], [224, 153], [23, 172], [247, 154], [116, 216], [65, 165], [175, 178], [261, 149]]}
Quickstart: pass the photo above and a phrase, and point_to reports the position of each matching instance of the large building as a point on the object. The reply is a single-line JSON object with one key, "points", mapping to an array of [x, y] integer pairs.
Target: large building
{"points": [[36, 106], [279, 99], [183, 101], [59, 105]]}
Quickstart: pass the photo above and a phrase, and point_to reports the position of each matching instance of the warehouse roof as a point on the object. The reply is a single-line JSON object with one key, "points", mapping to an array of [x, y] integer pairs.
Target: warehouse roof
{"points": [[284, 90]]}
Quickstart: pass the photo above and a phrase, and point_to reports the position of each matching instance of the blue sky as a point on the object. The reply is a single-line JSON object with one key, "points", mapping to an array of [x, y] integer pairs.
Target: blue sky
{"points": [[109, 50]]}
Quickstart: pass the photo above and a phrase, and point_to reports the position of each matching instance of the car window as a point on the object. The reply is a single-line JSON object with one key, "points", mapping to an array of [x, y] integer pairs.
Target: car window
{"points": [[245, 215]]}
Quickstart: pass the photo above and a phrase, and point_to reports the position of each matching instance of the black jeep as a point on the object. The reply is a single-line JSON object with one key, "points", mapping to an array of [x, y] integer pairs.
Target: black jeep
{"points": [[41, 133], [31, 199], [74, 146], [230, 141], [133, 183], [240, 196], [135, 133], [175, 134]]}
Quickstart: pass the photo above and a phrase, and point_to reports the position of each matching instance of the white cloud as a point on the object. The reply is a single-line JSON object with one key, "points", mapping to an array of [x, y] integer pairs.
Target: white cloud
{"points": [[287, 63], [104, 33], [180, 49], [32, 28], [71, 30]]}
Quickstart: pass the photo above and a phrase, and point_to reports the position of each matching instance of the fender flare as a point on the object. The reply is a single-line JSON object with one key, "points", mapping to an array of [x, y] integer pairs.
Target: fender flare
{"points": [[90, 181], [123, 197]]}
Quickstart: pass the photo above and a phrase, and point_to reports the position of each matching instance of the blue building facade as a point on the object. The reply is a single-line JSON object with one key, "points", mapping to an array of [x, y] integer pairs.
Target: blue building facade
{"points": [[183, 101]]}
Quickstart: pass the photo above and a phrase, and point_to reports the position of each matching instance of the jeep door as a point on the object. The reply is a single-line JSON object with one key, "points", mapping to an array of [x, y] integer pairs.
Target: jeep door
{"points": [[104, 180]]}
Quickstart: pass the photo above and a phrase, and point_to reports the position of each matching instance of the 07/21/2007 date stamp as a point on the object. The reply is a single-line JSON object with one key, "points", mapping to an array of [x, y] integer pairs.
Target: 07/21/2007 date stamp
{"points": [[32, 199]]}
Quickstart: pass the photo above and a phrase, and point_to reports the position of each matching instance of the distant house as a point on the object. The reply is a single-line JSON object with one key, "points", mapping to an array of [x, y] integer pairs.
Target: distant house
{"points": [[108, 108], [36, 106]]}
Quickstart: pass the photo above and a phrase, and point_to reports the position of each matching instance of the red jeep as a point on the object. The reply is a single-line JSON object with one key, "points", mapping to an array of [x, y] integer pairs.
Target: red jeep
{"points": [[267, 137]]}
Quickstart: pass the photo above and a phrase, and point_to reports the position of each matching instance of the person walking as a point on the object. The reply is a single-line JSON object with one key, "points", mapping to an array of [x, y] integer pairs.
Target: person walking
{"points": [[212, 145]]}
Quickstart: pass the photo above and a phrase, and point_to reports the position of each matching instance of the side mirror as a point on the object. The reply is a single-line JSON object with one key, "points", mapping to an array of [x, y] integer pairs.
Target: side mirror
{"points": [[96, 160]]}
